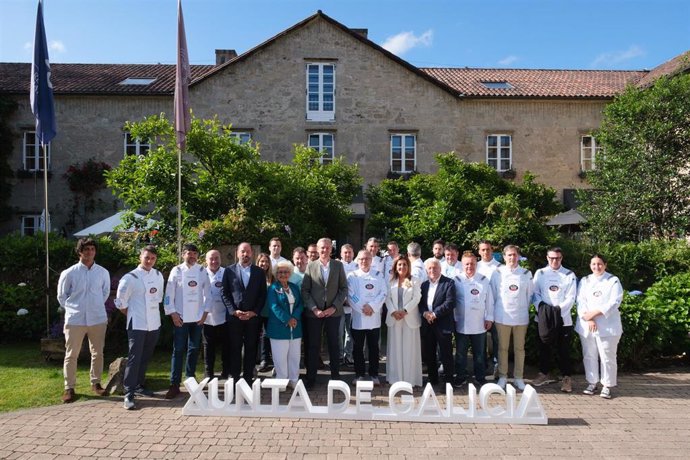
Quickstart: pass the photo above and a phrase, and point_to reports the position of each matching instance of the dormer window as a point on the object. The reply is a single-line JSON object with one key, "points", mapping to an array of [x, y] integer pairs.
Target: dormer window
{"points": [[139, 81], [497, 85]]}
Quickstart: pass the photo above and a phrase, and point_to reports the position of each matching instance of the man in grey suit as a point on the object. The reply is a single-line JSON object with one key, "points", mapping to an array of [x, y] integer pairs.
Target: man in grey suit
{"points": [[324, 290], [244, 294]]}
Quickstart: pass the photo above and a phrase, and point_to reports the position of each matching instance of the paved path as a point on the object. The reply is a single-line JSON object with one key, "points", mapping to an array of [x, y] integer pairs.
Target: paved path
{"points": [[649, 417]]}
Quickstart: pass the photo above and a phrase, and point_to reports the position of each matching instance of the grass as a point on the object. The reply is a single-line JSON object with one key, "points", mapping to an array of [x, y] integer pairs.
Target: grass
{"points": [[27, 380]]}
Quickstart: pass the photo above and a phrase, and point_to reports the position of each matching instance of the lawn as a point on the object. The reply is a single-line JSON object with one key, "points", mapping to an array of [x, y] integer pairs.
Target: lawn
{"points": [[27, 380]]}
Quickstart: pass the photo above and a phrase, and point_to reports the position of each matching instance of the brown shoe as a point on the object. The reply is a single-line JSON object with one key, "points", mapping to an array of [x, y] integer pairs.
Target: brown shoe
{"points": [[567, 385], [173, 391], [98, 389], [68, 396]]}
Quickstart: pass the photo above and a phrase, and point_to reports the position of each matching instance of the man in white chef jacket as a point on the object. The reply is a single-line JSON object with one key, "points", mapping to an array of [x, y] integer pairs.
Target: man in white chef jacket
{"points": [[556, 286], [512, 286], [474, 315], [139, 295], [366, 294], [187, 302], [487, 265], [216, 334], [347, 257]]}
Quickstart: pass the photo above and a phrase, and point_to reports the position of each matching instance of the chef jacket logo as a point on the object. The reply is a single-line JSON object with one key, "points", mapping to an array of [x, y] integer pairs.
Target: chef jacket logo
{"points": [[219, 284], [369, 286], [474, 291], [153, 290], [597, 294], [513, 287], [553, 288], [192, 283]]}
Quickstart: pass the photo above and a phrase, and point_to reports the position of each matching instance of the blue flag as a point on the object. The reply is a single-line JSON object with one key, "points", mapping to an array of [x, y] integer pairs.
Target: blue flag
{"points": [[41, 88]]}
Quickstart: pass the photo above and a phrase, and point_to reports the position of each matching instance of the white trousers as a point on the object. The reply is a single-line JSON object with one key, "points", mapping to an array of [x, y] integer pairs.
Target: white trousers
{"points": [[596, 350], [286, 355]]}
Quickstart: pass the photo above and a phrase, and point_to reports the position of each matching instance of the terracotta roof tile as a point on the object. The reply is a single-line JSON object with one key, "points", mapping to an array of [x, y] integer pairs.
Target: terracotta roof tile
{"points": [[96, 78], [678, 64], [536, 83]]}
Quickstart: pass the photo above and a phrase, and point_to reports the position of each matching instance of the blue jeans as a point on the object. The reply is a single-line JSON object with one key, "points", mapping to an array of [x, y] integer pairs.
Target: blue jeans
{"points": [[189, 335], [462, 345], [141, 346]]}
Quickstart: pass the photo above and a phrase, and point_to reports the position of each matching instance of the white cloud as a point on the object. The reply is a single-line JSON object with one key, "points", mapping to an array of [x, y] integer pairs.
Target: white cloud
{"points": [[56, 46], [614, 58], [508, 60], [404, 41]]}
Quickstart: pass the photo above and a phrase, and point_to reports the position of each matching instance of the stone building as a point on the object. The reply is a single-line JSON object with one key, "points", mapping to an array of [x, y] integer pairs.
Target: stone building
{"points": [[325, 85]]}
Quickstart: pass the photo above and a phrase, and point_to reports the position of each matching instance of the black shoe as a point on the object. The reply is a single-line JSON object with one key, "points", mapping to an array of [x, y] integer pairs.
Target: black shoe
{"points": [[481, 383], [335, 377], [263, 366], [459, 382], [432, 382], [309, 384], [141, 391]]}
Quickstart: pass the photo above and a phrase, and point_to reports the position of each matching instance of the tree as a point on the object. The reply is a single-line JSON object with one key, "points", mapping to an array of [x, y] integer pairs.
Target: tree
{"points": [[229, 194], [641, 180], [462, 202]]}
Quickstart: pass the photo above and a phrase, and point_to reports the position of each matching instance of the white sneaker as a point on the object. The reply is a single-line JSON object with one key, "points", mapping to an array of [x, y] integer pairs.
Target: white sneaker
{"points": [[129, 402], [519, 384], [591, 388], [357, 379], [502, 382], [605, 393]]}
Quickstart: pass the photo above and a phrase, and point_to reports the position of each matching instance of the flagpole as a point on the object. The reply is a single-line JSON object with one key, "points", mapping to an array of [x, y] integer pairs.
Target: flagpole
{"points": [[179, 203], [46, 228]]}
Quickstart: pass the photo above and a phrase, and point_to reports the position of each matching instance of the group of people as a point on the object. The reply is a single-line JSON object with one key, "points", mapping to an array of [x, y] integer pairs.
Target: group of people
{"points": [[268, 306]]}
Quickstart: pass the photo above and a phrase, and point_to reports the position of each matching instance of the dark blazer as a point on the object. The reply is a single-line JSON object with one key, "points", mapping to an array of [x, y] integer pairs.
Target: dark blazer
{"points": [[442, 306], [237, 297], [316, 294]]}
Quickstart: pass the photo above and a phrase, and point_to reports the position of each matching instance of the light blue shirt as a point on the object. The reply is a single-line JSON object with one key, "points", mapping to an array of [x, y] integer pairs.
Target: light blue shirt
{"points": [[82, 292]]}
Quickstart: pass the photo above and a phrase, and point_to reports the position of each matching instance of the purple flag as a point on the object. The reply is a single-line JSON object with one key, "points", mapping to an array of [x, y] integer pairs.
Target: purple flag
{"points": [[41, 88], [183, 119]]}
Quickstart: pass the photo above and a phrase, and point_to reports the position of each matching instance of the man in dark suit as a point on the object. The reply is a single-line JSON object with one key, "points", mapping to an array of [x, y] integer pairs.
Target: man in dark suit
{"points": [[324, 290], [436, 308], [244, 294]]}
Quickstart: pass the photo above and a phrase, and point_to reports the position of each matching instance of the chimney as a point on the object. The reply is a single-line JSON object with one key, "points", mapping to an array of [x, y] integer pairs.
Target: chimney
{"points": [[363, 32], [223, 56]]}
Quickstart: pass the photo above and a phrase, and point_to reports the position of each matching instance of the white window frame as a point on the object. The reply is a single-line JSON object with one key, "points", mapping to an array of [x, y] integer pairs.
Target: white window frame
{"points": [[405, 154], [34, 227], [32, 152], [499, 151], [327, 152], [134, 146], [320, 93], [243, 137], [588, 153]]}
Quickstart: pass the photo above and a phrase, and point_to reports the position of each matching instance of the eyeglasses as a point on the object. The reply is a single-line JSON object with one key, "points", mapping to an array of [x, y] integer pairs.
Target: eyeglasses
{"points": [[283, 272], [554, 258]]}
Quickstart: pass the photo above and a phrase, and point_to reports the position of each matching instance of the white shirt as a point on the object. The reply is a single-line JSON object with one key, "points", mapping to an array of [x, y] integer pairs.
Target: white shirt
{"points": [[246, 273], [218, 312], [274, 262], [378, 265], [603, 293], [430, 295], [557, 288], [419, 271], [487, 268], [474, 303], [325, 270], [141, 292], [188, 292], [450, 271], [82, 292], [366, 288], [512, 289]]}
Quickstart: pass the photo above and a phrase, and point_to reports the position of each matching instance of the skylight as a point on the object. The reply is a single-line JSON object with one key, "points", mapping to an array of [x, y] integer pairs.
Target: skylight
{"points": [[497, 84], [143, 81]]}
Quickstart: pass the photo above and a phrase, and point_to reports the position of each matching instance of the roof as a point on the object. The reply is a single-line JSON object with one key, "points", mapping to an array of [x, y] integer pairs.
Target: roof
{"points": [[571, 217], [96, 78], [679, 64], [109, 224], [537, 83]]}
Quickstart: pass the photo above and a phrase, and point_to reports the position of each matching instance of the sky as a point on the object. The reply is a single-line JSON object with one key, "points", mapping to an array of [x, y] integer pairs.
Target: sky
{"points": [[530, 34]]}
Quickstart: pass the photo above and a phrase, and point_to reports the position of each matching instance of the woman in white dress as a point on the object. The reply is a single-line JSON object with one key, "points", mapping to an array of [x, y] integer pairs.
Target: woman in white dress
{"points": [[404, 362], [599, 324]]}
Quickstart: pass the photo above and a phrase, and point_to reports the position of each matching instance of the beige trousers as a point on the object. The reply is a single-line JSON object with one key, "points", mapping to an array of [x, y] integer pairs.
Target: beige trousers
{"points": [[519, 333], [74, 336]]}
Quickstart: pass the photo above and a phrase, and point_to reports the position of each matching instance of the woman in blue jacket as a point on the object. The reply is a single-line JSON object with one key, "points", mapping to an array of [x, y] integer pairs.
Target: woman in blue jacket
{"points": [[284, 308]]}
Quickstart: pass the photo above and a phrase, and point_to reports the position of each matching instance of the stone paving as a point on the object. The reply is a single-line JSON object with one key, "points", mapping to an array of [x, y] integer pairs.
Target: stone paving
{"points": [[649, 417]]}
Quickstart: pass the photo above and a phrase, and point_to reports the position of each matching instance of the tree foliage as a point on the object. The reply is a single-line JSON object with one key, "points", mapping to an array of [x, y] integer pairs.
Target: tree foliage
{"points": [[7, 108], [229, 193], [641, 180], [462, 202]]}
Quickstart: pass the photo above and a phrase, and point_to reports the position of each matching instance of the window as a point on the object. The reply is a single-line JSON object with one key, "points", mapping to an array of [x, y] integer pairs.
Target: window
{"points": [[588, 153], [142, 81], [497, 85], [242, 137], [403, 153], [30, 224], [32, 152], [135, 146], [320, 92], [499, 151], [323, 143]]}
